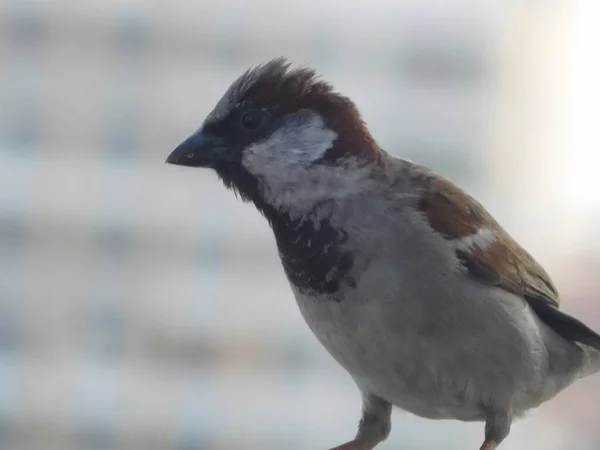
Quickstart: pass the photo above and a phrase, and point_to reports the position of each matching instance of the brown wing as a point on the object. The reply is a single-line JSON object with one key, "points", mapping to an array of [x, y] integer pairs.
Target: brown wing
{"points": [[453, 213], [502, 262]]}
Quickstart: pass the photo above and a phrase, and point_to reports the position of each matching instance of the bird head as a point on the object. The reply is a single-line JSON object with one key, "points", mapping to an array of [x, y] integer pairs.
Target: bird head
{"points": [[284, 139]]}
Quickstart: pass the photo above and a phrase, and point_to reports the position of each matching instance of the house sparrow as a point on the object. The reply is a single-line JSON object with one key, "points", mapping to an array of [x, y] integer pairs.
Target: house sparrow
{"points": [[405, 279]]}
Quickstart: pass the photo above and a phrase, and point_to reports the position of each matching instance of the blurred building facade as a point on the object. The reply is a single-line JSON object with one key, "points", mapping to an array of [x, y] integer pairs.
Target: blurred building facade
{"points": [[143, 307]]}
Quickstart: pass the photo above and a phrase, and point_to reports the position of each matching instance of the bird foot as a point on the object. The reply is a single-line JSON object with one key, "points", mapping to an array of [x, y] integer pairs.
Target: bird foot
{"points": [[489, 445], [347, 446], [353, 445]]}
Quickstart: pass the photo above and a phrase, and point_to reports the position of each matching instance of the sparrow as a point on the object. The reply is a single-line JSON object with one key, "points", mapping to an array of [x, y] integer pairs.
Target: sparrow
{"points": [[405, 279]]}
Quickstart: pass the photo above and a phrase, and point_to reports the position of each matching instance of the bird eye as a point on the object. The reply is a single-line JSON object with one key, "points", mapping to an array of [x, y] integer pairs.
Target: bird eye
{"points": [[252, 120]]}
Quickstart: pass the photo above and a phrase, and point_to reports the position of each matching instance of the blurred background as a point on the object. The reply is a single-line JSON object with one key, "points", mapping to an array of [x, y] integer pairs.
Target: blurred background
{"points": [[143, 307]]}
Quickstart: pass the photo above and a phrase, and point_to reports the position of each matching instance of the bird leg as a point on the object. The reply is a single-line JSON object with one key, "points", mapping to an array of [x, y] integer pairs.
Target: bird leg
{"points": [[374, 426], [497, 428]]}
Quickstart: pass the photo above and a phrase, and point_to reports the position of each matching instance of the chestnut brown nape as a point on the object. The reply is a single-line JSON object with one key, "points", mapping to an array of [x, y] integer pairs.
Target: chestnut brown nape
{"points": [[277, 85]]}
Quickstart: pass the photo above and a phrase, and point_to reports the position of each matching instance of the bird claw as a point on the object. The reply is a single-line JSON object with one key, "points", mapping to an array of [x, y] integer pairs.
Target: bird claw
{"points": [[352, 445]]}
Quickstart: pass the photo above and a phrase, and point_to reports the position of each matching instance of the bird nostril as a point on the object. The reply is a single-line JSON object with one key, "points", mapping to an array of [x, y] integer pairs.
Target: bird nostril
{"points": [[189, 155]]}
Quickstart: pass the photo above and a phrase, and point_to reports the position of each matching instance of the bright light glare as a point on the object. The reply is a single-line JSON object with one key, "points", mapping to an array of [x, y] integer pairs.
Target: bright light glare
{"points": [[583, 175]]}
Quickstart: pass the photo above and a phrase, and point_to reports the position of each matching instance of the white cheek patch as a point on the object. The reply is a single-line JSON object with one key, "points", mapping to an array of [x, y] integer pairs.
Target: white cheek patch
{"points": [[302, 139], [283, 164]]}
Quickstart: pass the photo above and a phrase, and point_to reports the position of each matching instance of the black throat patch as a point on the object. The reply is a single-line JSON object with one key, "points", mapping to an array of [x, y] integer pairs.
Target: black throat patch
{"points": [[312, 251], [312, 254]]}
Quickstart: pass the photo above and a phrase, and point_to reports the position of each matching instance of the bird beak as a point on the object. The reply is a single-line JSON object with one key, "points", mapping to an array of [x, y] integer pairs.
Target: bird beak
{"points": [[199, 150]]}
